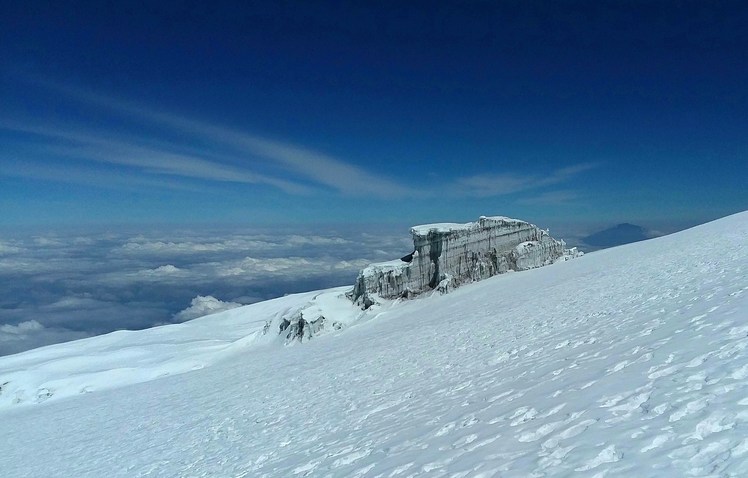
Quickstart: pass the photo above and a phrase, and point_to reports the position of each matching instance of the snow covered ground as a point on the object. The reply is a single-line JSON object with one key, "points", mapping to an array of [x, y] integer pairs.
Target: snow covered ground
{"points": [[631, 361]]}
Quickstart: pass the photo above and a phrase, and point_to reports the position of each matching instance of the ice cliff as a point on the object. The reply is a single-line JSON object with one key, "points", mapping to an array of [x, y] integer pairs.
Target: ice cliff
{"points": [[447, 255], [444, 256]]}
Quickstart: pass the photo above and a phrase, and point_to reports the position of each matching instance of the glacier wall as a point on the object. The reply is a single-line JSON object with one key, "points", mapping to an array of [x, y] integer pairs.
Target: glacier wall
{"points": [[447, 255]]}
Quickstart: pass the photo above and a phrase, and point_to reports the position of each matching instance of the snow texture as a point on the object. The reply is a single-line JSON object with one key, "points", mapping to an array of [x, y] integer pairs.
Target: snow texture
{"points": [[631, 361], [448, 255]]}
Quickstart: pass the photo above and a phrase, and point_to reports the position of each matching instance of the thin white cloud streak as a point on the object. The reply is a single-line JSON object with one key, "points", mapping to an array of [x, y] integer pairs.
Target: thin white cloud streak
{"points": [[550, 198], [104, 150], [494, 184], [149, 247], [70, 174], [304, 164], [502, 184], [312, 165], [159, 162]]}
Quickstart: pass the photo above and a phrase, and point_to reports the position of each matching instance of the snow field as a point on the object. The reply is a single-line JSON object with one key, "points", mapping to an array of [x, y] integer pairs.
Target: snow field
{"points": [[626, 362]]}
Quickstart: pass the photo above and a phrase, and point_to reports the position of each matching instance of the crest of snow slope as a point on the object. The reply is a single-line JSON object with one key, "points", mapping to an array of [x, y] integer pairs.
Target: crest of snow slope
{"points": [[631, 361], [122, 358]]}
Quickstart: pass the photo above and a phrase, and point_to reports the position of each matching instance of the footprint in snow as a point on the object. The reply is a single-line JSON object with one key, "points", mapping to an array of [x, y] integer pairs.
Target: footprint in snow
{"points": [[43, 394], [608, 455]]}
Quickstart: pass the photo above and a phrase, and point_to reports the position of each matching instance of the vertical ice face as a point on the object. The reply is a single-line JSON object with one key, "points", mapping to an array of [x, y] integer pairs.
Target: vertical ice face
{"points": [[447, 255]]}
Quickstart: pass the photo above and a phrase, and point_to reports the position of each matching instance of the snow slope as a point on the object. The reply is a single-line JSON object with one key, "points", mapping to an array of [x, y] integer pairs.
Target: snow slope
{"points": [[631, 361], [126, 357]]}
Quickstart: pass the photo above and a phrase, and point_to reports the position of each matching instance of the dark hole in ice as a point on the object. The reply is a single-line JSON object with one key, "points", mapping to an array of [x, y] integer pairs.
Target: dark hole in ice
{"points": [[408, 258]]}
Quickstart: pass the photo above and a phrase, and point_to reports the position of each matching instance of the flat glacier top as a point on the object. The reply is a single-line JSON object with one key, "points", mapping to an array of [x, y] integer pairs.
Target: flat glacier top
{"points": [[454, 226], [629, 361]]}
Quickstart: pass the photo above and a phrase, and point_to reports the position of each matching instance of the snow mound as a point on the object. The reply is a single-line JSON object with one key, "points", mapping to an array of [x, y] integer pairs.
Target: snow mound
{"points": [[123, 358]]}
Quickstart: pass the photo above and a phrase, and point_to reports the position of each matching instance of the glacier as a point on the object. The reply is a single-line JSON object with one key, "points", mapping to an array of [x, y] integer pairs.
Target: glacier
{"points": [[446, 255], [630, 361]]}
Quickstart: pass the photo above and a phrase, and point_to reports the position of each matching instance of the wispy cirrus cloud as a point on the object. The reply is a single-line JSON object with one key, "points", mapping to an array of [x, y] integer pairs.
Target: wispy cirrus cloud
{"points": [[487, 185], [22, 167], [550, 198], [97, 147], [224, 154], [315, 168]]}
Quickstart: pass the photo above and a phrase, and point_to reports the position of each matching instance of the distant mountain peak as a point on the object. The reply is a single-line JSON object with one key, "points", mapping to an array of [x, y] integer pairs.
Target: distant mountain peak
{"points": [[629, 225], [620, 234]]}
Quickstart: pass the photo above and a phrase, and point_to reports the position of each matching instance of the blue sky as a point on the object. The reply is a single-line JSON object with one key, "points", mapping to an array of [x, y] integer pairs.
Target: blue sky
{"points": [[325, 112]]}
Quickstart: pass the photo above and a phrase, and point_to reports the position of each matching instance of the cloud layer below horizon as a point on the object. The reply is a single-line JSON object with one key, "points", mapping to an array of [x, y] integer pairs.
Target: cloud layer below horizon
{"points": [[61, 287]]}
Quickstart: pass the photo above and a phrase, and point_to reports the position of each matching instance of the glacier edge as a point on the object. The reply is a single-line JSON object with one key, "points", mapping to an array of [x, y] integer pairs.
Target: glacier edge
{"points": [[447, 255]]}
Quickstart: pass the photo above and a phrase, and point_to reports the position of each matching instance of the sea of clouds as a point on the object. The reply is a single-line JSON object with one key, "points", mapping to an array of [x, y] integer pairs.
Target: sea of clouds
{"points": [[66, 285]]}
